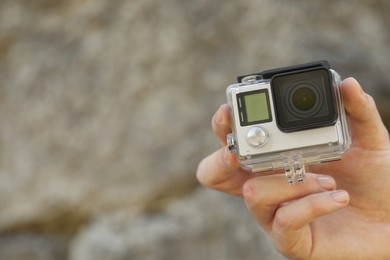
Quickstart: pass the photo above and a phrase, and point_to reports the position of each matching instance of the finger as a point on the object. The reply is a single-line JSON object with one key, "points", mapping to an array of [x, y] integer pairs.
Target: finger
{"points": [[367, 129], [222, 172], [291, 232], [221, 123], [264, 195]]}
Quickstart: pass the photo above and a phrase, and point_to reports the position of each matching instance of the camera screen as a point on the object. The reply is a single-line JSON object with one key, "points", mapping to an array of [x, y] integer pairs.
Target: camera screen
{"points": [[254, 107]]}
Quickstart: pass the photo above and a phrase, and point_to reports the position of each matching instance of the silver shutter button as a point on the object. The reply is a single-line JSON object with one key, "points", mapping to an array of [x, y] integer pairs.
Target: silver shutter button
{"points": [[257, 136]]}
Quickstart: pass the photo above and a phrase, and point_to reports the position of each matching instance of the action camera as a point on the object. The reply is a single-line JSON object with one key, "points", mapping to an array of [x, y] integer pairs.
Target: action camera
{"points": [[287, 118]]}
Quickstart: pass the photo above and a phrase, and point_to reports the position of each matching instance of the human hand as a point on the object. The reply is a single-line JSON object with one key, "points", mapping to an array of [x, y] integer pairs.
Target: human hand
{"points": [[315, 220]]}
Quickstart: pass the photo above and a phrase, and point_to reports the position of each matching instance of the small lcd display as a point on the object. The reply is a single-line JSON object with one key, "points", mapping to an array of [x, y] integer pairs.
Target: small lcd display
{"points": [[254, 107]]}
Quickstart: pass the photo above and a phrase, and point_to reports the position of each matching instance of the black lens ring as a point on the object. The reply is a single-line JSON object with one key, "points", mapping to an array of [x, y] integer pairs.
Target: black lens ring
{"points": [[298, 112]]}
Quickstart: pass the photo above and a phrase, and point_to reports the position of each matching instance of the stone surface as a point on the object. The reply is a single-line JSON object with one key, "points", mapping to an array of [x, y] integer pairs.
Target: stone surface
{"points": [[105, 105], [203, 225], [33, 247]]}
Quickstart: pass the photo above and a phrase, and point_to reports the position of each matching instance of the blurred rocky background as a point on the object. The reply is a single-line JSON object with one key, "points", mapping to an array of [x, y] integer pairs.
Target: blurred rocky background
{"points": [[105, 109]]}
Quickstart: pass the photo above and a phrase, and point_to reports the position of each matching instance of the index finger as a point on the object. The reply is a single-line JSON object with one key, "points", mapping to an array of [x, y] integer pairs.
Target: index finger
{"points": [[221, 123], [221, 171]]}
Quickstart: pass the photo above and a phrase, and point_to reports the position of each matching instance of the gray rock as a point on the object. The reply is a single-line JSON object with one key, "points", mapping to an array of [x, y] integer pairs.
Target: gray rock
{"points": [[33, 247], [204, 225], [105, 105]]}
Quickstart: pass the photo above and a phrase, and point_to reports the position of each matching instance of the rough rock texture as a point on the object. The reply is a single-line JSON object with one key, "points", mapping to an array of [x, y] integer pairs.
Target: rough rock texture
{"points": [[204, 225], [33, 247], [105, 107]]}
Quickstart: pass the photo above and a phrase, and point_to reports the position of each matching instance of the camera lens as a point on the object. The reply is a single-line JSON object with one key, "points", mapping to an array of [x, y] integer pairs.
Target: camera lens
{"points": [[304, 99]]}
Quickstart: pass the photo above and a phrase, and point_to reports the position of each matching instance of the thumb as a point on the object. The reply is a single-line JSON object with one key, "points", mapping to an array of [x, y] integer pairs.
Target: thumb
{"points": [[366, 126]]}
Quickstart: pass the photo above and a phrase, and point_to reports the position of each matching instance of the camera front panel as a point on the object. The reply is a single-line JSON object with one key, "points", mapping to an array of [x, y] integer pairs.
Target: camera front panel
{"points": [[255, 127], [315, 127]]}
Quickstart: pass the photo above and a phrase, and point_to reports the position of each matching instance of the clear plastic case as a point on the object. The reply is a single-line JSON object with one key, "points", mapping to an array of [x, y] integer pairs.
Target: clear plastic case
{"points": [[263, 146]]}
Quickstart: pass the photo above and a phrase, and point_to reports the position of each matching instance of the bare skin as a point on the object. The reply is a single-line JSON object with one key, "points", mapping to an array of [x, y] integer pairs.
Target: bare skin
{"points": [[317, 220]]}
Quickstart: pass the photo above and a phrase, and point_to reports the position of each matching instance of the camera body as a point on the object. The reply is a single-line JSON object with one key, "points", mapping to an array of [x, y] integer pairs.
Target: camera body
{"points": [[287, 118]]}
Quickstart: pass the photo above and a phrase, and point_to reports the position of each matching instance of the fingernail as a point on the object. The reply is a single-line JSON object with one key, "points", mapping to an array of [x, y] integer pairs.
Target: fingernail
{"points": [[340, 196], [356, 83], [361, 91], [326, 182]]}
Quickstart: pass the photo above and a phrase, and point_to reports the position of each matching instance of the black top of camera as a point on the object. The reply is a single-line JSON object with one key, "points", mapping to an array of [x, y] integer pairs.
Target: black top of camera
{"points": [[268, 74]]}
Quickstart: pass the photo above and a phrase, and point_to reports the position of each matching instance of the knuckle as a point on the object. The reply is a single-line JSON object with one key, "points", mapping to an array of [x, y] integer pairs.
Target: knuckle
{"points": [[247, 190], [200, 173], [206, 173], [252, 198], [282, 220], [214, 170]]}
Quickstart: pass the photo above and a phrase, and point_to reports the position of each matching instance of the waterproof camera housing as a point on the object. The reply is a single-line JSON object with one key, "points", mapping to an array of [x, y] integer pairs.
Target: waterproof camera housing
{"points": [[287, 118]]}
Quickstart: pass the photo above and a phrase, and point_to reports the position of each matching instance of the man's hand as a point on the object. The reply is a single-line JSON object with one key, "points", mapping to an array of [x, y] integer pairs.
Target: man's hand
{"points": [[316, 220]]}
